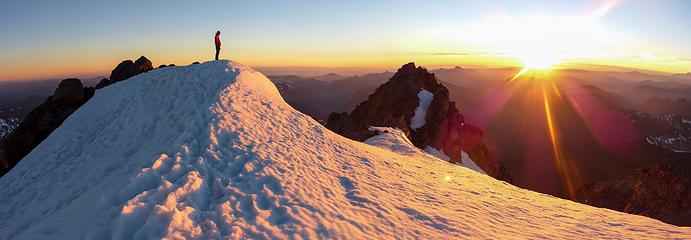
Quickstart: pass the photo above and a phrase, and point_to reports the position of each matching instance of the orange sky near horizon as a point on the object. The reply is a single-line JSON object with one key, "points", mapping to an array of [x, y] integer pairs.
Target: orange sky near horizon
{"points": [[93, 65], [74, 40]]}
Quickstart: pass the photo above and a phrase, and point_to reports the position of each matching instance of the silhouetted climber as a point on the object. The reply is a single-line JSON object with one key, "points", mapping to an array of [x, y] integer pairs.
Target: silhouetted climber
{"points": [[218, 43]]}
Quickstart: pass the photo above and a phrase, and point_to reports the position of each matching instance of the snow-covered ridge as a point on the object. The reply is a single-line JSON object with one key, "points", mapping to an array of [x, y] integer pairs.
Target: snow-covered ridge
{"points": [[211, 151], [395, 140]]}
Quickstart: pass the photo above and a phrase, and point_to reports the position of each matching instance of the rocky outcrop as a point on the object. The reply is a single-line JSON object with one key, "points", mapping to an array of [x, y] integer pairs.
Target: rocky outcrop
{"points": [[394, 105], [662, 192], [104, 82], [44, 119], [127, 69], [69, 91]]}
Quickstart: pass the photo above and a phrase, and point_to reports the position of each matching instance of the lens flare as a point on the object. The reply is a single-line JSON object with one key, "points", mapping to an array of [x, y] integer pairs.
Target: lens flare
{"points": [[563, 167], [543, 85]]}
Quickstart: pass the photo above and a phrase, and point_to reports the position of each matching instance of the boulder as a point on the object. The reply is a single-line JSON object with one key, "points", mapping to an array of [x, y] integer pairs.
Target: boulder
{"points": [[104, 82], [69, 91], [127, 69]]}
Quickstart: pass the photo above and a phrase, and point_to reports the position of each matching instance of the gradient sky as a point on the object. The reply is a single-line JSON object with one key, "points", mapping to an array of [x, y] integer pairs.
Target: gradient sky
{"points": [[55, 39]]}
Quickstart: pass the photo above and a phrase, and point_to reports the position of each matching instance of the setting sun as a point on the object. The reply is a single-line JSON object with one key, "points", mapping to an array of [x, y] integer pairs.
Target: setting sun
{"points": [[539, 60], [448, 119]]}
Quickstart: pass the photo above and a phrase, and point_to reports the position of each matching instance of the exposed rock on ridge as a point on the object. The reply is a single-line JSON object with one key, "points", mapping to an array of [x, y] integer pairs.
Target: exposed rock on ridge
{"points": [[393, 104], [44, 119]]}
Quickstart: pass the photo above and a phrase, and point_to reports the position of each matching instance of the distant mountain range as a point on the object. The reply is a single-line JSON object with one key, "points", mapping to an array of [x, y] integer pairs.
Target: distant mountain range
{"points": [[211, 151], [652, 109], [18, 98], [591, 110]]}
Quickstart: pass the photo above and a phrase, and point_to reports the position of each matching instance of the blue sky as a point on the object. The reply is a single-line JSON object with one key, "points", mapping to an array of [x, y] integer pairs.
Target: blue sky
{"points": [[94, 35]]}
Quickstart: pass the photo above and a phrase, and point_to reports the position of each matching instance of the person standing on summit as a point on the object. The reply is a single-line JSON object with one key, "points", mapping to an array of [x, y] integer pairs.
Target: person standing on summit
{"points": [[217, 40]]}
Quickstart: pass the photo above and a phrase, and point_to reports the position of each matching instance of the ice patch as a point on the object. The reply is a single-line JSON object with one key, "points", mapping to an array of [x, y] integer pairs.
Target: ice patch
{"points": [[465, 159], [437, 153], [467, 162], [418, 119]]}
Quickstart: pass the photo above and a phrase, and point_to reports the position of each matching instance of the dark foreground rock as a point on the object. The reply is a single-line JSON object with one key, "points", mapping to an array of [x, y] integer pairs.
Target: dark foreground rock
{"points": [[44, 119], [104, 82], [394, 104], [127, 69], [662, 192]]}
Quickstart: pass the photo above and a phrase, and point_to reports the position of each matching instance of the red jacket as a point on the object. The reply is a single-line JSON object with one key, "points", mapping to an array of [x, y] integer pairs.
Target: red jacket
{"points": [[218, 40]]}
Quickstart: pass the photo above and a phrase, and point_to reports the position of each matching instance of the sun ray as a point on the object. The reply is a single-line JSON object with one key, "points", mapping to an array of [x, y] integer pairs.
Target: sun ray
{"points": [[565, 169], [520, 73]]}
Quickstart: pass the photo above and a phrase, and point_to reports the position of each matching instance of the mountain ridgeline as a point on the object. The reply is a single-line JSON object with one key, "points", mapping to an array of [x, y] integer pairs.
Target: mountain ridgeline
{"points": [[212, 151], [653, 182], [394, 105], [69, 96]]}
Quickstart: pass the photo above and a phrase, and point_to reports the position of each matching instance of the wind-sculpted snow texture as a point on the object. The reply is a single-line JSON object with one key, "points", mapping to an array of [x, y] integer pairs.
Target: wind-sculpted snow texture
{"points": [[211, 151]]}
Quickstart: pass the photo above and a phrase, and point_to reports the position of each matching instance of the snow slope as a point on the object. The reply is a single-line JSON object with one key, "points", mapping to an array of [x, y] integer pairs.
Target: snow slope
{"points": [[211, 151]]}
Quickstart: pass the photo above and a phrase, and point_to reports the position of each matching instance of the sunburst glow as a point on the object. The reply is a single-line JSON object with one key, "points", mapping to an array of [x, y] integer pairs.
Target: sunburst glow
{"points": [[538, 80], [544, 41], [538, 59]]}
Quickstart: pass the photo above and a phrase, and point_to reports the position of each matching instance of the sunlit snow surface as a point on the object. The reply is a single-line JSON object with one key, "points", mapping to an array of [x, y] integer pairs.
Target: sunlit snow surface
{"points": [[211, 151]]}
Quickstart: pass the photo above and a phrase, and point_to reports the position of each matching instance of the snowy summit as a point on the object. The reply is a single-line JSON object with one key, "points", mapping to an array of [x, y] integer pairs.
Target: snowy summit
{"points": [[211, 151]]}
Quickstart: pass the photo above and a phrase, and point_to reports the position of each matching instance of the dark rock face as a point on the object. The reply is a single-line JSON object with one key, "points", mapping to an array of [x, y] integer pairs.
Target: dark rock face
{"points": [[104, 82], [69, 91], [393, 104], [127, 69], [662, 192], [44, 119]]}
